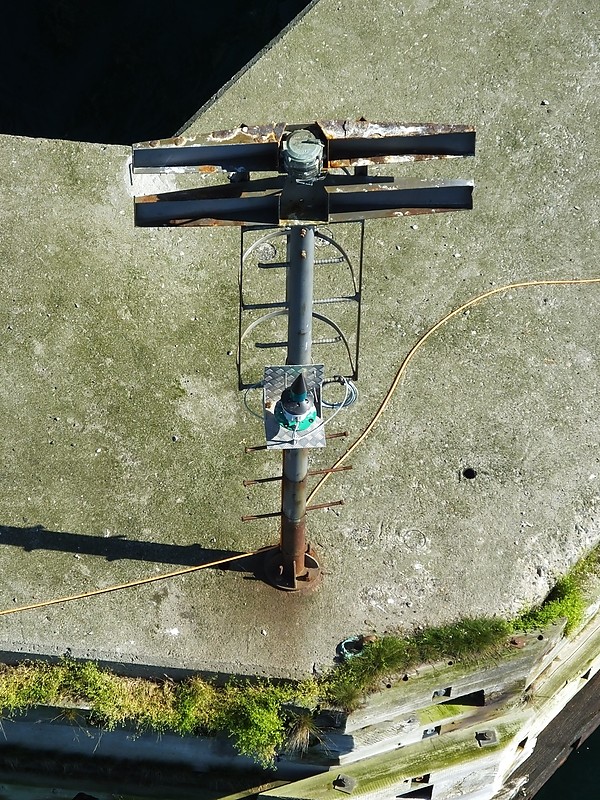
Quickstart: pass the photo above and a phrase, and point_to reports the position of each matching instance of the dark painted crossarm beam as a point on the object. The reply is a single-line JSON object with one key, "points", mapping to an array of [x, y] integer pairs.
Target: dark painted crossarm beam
{"points": [[267, 202], [346, 143], [363, 143], [398, 199]]}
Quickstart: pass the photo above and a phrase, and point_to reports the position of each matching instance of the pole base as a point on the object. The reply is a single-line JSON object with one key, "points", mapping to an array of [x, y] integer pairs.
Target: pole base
{"points": [[308, 578]]}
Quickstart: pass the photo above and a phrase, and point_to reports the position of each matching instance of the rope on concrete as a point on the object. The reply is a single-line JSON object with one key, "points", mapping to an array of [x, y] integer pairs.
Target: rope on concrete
{"points": [[384, 404], [420, 342], [138, 582]]}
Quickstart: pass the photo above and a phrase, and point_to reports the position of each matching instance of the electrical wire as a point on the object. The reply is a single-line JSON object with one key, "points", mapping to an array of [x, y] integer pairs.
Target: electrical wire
{"points": [[351, 392], [384, 404]]}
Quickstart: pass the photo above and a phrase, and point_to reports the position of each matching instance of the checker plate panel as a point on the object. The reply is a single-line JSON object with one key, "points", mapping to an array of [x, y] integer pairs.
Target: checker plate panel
{"points": [[278, 378]]}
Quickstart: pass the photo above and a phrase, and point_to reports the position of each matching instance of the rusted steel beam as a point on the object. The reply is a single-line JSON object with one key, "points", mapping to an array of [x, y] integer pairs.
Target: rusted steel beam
{"points": [[348, 143], [252, 147]]}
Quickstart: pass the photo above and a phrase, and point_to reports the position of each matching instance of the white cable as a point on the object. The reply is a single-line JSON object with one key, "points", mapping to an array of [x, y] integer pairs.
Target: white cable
{"points": [[351, 394], [254, 413]]}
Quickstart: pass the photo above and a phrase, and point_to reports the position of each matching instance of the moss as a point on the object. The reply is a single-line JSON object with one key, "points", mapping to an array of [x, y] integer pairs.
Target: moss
{"points": [[439, 712], [252, 715], [259, 717], [565, 600]]}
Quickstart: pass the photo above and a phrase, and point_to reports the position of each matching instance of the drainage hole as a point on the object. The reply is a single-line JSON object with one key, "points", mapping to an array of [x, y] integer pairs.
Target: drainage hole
{"points": [[469, 473]]}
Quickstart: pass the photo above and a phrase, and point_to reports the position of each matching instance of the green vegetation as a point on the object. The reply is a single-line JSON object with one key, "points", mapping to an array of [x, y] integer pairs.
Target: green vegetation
{"points": [[255, 715], [566, 599], [263, 718], [467, 640]]}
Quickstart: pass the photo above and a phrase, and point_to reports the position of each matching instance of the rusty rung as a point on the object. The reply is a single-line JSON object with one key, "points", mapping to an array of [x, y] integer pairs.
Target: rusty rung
{"points": [[325, 505], [311, 472], [261, 480], [271, 514], [336, 435], [329, 471]]}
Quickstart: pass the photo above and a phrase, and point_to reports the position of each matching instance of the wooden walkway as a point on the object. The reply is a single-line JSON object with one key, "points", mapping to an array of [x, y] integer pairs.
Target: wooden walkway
{"points": [[575, 723]]}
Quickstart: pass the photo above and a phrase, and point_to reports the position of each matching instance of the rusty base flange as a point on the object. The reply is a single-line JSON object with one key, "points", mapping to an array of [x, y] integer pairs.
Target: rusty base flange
{"points": [[308, 580]]}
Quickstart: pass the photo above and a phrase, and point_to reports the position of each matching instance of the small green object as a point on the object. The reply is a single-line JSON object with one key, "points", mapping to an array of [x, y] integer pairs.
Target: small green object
{"points": [[292, 425]]}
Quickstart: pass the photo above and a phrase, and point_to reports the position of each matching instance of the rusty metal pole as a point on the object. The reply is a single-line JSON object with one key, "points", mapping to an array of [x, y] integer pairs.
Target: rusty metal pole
{"points": [[293, 567], [299, 301]]}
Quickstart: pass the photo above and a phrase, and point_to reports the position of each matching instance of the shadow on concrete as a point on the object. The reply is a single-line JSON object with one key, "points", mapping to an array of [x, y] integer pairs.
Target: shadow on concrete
{"points": [[115, 548]]}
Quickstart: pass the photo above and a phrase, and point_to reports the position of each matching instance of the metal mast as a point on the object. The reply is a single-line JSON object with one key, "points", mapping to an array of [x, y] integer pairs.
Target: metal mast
{"points": [[305, 193], [290, 565]]}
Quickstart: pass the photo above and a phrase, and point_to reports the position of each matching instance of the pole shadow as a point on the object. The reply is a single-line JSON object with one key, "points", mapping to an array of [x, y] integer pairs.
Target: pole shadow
{"points": [[117, 548]]}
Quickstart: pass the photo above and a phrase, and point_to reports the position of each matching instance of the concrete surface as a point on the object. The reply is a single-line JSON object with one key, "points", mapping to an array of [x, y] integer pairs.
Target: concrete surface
{"points": [[122, 454]]}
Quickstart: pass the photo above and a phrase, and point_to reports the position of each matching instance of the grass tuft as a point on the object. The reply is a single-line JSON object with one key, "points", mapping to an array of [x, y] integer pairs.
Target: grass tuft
{"points": [[468, 639], [301, 733], [263, 718], [565, 600]]}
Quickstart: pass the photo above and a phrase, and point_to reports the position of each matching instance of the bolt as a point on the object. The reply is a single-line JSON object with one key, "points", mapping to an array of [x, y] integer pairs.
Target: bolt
{"points": [[303, 254]]}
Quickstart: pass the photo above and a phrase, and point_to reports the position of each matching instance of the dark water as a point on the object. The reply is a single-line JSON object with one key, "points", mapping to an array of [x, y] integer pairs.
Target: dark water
{"points": [[122, 71], [579, 777]]}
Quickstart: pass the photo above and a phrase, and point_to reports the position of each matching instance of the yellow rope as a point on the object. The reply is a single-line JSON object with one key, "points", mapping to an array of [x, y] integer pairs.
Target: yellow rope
{"points": [[399, 375], [138, 582], [420, 342]]}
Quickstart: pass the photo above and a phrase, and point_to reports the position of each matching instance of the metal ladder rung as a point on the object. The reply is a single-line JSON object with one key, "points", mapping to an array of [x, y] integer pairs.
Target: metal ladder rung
{"points": [[284, 264], [269, 345], [272, 345], [350, 298], [333, 340], [332, 260], [258, 306]]}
